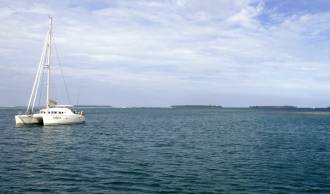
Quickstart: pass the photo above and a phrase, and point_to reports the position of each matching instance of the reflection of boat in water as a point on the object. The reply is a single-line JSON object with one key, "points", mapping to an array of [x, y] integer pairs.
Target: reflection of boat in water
{"points": [[52, 114]]}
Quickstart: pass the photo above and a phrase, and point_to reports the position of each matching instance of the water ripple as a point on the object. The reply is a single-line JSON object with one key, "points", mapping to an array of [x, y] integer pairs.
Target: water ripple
{"points": [[168, 151]]}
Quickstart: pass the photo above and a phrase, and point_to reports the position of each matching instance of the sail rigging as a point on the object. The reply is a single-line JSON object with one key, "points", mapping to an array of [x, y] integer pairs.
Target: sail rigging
{"points": [[45, 67]]}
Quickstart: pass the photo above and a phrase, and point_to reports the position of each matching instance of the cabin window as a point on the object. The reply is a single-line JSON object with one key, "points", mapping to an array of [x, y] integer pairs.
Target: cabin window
{"points": [[48, 112]]}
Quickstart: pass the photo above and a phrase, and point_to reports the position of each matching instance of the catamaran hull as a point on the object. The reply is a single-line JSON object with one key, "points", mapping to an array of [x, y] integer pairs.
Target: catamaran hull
{"points": [[63, 119], [27, 120], [37, 119]]}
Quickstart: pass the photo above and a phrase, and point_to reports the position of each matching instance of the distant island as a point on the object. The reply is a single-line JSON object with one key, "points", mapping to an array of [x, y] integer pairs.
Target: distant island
{"points": [[289, 108], [196, 106], [274, 107]]}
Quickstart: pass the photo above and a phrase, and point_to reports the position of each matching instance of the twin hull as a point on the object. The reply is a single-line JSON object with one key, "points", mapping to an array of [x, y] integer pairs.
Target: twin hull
{"points": [[44, 119]]}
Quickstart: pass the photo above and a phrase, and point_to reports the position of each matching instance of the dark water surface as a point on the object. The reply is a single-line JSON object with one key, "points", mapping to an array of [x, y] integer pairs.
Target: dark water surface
{"points": [[168, 151]]}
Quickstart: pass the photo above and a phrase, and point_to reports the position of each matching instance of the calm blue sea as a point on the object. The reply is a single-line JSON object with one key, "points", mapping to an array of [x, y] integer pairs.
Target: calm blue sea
{"points": [[168, 151]]}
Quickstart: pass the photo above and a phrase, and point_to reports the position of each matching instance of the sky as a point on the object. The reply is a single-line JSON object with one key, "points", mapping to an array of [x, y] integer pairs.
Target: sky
{"points": [[158, 53]]}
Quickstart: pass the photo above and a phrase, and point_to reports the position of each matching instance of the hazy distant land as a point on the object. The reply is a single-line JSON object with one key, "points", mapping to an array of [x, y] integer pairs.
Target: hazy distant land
{"points": [[274, 108], [285, 109], [196, 106]]}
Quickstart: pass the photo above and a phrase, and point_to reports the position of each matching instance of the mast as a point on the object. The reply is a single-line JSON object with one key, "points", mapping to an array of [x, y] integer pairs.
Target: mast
{"points": [[49, 58], [38, 75]]}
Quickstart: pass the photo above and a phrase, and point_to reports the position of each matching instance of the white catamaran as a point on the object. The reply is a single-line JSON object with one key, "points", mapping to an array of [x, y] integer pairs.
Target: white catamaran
{"points": [[52, 114]]}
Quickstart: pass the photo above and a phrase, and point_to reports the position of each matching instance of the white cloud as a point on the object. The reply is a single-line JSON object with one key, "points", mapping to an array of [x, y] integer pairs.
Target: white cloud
{"points": [[179, 46]]}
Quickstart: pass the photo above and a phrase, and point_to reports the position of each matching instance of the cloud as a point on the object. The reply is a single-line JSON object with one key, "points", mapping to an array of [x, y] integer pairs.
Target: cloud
{"points": [[173, 47]]}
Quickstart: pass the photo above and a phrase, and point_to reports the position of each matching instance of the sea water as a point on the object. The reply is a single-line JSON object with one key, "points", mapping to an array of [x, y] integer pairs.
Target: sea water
{"points": [[160, 150]]}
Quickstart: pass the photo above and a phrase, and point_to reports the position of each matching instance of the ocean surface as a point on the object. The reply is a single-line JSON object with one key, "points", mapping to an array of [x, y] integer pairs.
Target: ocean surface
{"points": [[154, 150]]}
